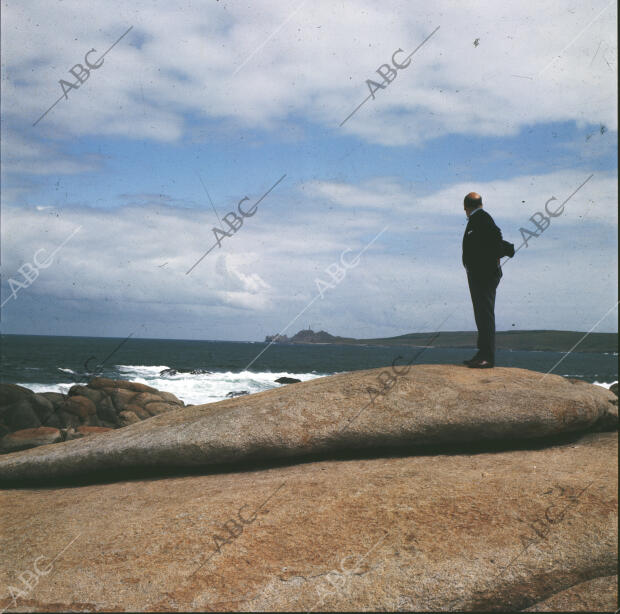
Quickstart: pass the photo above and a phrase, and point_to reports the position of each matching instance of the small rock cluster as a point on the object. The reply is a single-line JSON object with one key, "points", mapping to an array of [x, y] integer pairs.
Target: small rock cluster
{"points": [[29, 419], [171, 372]]}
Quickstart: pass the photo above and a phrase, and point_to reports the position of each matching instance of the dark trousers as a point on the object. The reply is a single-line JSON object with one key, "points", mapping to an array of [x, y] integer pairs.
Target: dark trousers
{"points": [[482, 290]]}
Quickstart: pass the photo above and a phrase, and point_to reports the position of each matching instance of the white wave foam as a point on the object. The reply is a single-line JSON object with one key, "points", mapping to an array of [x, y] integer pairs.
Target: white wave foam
{"points": [[202, 388], [62, 388], [142, 370], [192, 389], [199, 388], [605, 384]]}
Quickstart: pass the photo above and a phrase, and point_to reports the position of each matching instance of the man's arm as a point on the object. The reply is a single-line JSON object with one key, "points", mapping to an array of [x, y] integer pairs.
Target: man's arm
{"points": [[492, 238]]}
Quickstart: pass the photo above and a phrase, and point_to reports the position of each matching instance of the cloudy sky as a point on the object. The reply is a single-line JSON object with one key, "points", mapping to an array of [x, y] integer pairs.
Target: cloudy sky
{"points": [[117, 189]]}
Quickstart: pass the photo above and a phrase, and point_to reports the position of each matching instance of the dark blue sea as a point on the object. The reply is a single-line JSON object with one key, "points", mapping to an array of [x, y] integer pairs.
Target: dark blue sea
{"points": [[56, 363]]}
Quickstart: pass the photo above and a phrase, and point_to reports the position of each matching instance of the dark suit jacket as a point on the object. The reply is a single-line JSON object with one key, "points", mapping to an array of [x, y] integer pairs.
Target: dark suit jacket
{"points": [[482, 246]]}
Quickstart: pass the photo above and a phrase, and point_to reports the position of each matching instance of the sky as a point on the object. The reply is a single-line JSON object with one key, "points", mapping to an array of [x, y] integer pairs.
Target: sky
{"points": [[110, 197]]}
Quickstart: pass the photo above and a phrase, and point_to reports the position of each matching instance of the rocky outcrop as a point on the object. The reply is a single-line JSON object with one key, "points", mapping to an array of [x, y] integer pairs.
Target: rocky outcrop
{"points": [[307, 336], [287, 380], [449, 490], [44, 435], [102, 403], [29, 438], [429, 406], [449, 532], [171, 372], [236, 393], [86, 431]]}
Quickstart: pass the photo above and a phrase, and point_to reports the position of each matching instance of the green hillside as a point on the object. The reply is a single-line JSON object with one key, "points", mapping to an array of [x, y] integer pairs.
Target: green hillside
{"points": [[551, 340]]}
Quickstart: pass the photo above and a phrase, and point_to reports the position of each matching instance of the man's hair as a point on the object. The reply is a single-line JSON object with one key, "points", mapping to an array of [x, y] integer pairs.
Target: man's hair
{"points": [[473, 200]]}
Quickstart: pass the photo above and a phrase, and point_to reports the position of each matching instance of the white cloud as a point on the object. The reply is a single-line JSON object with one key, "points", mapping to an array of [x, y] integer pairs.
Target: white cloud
{"points": [[174, 74], [407, 280], [180, 58]]}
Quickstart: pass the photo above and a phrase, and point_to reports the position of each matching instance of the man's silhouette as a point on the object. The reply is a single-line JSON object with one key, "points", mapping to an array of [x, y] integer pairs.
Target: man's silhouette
{"points": [[483, 246]]}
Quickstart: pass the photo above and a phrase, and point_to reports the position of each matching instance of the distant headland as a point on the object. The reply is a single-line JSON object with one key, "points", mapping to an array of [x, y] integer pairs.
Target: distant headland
{"points": [[541, 340]]}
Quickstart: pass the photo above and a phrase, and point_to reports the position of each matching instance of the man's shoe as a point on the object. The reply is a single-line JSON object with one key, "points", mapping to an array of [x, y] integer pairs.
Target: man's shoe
{"points": [[480, 364], [475, 358]]}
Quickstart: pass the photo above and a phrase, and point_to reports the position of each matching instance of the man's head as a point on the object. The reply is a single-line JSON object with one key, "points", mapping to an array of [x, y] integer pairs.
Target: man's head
{"points": [[471, 202]]}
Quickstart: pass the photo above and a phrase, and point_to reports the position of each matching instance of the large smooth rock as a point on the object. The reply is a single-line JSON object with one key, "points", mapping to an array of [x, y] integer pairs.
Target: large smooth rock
{"points": [[85, 431], [58, 399], [53, 420], [168, 397], [28, 438], [21, 415], [146, 397], [121, 397], [128, 417], [107, 412], [67, 419], [92, 420], [80, 406], [139, 411], [154, 409], [431, 405], [96, 396], [103, 382], [42, 406], [12, 393], [445, 532]]}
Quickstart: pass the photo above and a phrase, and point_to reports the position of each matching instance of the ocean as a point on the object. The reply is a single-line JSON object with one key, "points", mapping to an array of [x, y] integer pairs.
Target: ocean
{"points": [[44, 363]]}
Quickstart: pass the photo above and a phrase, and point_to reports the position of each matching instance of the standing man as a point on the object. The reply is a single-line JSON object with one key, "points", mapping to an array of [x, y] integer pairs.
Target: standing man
{"points": [[483, 246]]}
